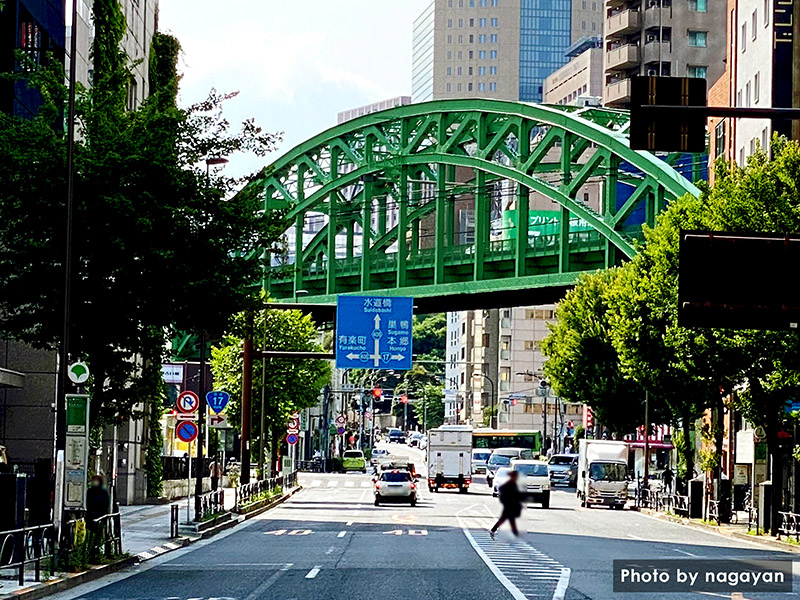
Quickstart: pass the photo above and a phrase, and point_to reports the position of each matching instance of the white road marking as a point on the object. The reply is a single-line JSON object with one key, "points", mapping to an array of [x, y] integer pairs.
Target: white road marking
{"points": [[331, 550], [258, 593], [315, 483], [348, 524], [686, 553], [636, 537], [365, 484], [349, 484], [333, 483], [342, 534], [313, 573]]}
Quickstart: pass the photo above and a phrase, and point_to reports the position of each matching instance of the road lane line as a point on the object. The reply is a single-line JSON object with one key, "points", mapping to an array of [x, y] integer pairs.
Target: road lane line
{"points": [[349, 484], [348, 524], [686, 553], [316, 483], [313, 572], [342, 534], [562, 585], [258, 593], [331, 550], [333, 483]]}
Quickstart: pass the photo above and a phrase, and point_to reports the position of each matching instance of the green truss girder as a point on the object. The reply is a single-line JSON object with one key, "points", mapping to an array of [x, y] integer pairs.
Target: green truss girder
{"points": [[423, 158]]}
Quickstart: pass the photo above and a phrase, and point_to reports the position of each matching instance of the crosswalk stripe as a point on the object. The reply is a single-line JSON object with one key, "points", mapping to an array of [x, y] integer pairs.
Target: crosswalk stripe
{"points": [[333, 483], [365, 484], [315, 483], [349, 484]]}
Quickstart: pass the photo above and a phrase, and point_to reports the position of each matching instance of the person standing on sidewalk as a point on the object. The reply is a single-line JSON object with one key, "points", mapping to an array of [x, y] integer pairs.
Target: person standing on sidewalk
{"points": [[511, 499], [216, 473]]}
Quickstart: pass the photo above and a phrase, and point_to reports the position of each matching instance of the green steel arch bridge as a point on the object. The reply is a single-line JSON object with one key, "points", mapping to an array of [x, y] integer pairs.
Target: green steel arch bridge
{"points": [[464, 203]]}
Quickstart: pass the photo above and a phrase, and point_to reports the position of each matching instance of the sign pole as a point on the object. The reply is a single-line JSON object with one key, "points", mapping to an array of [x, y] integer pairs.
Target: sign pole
{"points": [[189, 486], [198, 488]]}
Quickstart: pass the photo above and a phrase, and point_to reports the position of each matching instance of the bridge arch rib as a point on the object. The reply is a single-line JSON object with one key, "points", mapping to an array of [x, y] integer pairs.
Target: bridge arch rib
{"points": [[461, 197]]}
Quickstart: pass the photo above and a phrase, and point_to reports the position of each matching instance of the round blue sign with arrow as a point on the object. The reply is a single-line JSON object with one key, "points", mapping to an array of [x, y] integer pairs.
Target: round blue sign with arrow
{"points": [[217, 401]]}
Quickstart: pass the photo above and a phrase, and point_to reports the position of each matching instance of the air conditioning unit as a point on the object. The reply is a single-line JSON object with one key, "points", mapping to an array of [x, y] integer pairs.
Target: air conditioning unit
{"points": [[652, 37], [652, 72]]}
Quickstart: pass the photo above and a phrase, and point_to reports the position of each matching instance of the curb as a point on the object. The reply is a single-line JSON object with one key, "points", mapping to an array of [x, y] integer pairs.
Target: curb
{"points": [[71, 580], [767, 541]]}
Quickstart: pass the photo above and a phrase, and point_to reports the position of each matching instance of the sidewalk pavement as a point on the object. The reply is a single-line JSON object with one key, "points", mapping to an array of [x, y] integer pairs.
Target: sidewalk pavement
{"points": [[145, 529]]}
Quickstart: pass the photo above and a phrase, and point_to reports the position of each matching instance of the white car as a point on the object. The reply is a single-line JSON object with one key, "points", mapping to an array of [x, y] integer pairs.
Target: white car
{"points": [[500, 477], [396, 485], [479, 458], [378, 454], [534, 480]]}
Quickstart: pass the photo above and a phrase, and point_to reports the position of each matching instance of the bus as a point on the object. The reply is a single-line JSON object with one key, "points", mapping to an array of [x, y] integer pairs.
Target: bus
{"points": [[507, 438]]}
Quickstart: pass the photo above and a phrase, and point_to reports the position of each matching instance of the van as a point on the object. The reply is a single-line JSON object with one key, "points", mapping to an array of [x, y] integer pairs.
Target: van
{"points": [[502, 457], [354, 460]]}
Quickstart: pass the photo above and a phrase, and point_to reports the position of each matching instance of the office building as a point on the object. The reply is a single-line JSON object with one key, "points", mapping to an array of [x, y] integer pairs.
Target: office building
{"points": [[496, 48], [580, 81], [661, 37]]}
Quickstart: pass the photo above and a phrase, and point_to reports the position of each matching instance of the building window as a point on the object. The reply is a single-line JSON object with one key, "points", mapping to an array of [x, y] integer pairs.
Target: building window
{"points": [[458, 87], [754, 25], [482, 38], [766, 12], [483, 3], [492, 86], [764, 138], [719, 139], [449, 23], [481, 53], [481, 87], [492, 53], [756, 87], [449, 39], [529, 345], [699, 39], [449, 71], [469, 71], [470, 54], [449, 55], [460, 23], [697, 71], [741, 157], [460, 55], [495, 2], [459, 71], [747, 95], [493, 38], [481, 70], [471, 38], [460, 39], [743, 39], [449, 87], [530, 314], [469, 86], [494, 22], [472, 22], [481, 22], [505, 347], [753, 145], [698, 5], [739, 98], [492, 70]]}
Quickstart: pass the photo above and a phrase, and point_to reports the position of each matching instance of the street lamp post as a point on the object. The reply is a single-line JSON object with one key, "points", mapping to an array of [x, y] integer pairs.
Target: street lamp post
{"points": [[492, 419]]}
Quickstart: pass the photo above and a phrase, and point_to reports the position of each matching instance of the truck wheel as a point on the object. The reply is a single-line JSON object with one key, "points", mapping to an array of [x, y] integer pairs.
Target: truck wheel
{"points": [[583, 502], [430, 489], [489, 481]]}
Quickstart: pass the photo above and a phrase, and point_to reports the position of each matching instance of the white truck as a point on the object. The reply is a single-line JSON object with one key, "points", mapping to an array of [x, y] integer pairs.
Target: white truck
{"points": [[450, 458], [602, 473]]}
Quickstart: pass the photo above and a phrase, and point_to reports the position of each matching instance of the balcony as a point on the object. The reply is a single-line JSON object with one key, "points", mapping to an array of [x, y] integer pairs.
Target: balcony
{"points": [[623, 57], [618, 93], [623, 22], [655, 52]]}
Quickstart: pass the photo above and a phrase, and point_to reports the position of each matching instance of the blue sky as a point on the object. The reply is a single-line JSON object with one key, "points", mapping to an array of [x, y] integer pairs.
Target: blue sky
{"points": [[296, 63]]}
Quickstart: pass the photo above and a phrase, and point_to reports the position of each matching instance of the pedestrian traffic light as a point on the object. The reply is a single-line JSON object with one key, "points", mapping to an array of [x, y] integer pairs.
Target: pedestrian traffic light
{"points": [[404, 399], [513, 402], [679, 128]]}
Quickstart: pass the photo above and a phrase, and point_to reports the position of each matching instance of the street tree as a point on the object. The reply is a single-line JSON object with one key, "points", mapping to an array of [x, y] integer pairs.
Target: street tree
{"points": [[159, 244], [286, 385]]}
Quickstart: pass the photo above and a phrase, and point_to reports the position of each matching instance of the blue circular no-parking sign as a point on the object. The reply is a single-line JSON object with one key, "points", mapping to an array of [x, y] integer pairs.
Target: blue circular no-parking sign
{"points": [[291, 439]]}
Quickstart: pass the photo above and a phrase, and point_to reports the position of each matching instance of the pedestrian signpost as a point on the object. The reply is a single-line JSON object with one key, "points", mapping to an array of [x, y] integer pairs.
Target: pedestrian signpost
{"points": [[78, 372], [373, 333], [77, 451], [217, 401]]}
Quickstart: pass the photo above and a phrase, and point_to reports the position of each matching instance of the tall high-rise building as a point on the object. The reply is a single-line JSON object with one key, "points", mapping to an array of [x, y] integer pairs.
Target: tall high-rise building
{"points": [[496, 48], [678, 38]]}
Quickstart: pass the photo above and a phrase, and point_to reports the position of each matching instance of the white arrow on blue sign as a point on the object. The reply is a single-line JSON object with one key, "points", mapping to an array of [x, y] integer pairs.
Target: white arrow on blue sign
{"points": [[373, 333], [217, 401]]}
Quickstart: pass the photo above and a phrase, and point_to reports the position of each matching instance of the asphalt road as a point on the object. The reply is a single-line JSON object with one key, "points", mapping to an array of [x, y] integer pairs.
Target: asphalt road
{"points": [[330, 542]]}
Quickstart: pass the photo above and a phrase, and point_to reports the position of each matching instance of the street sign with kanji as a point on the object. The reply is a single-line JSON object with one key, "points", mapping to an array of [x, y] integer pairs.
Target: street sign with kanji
{"points": [[187, 402], [373, 333], [217, 401], [186, 431]]}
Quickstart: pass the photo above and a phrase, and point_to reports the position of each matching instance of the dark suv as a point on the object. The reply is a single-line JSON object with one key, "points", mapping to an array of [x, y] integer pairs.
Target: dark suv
{"points": [[563, 469]]}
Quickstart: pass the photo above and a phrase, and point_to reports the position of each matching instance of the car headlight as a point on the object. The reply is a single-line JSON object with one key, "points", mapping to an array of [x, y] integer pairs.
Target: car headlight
{"points": [[569, 472]]}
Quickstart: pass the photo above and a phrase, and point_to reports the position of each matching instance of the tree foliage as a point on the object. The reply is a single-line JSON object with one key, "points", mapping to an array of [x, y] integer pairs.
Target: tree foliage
{"points": [[287, 385], [159, 243]]}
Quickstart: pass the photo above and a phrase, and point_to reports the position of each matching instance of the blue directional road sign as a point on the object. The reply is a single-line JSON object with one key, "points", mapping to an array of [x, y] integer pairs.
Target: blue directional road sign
{"points": [[217, 401], [373, 333]]}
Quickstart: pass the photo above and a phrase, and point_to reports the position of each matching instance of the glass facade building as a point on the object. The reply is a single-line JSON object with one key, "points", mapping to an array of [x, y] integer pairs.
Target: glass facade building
{"points": [[422, 59], [545, 35]]}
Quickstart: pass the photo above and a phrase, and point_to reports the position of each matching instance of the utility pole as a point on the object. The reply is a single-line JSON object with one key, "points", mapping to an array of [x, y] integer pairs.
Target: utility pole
{"points": [[646, 437]]}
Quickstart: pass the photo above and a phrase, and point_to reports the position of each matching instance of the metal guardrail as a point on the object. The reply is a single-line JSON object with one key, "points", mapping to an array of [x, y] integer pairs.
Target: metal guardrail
{"points": [[790, 525], [27, 546], [212, 503], [678, 504], [247, 493], [104, 535], [175, 468], [311, 466]]}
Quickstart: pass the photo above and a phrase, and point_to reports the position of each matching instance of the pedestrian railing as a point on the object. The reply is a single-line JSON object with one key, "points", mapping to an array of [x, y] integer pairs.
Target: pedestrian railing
{"points": [[28, 546], [311, 466], [713, 511], [211, 504], [256, 490], [107, 534], [790, 525], [679, 505], [647, 498]]}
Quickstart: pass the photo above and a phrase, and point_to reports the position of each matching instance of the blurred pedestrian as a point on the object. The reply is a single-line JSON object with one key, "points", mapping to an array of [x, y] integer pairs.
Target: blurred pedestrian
{"points": [[668, 476], [215, 470], [511, 499]]}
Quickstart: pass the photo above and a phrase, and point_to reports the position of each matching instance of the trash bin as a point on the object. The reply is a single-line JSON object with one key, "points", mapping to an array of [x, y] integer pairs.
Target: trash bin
{"points": [[696, 498], [765, 505]]}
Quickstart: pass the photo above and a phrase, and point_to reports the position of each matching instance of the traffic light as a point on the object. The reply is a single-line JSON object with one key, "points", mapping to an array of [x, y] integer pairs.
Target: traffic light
{"points": [[670, 129], [514, 402], [377, 392], [404, 399]]}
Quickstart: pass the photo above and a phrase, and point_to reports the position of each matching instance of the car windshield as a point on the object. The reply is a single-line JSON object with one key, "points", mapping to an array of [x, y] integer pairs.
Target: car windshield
{"points": [[503, 473], [499, 459], [480, 455], [561, 460], [396, 477], [353, 454], [532, 470], [608, 472]]}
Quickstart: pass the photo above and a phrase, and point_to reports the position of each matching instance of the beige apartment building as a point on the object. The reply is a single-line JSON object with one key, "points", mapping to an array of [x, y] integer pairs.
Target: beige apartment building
{"points": [[580, 81], [678, 38]]}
